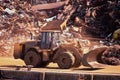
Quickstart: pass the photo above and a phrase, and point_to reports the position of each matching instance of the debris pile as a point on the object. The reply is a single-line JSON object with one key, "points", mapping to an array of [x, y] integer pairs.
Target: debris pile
{"points": [[96, 17], [111, 55], [16, 23]]}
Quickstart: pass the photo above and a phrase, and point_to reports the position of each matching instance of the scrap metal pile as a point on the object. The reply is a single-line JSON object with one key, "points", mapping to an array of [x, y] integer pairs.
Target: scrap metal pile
{"points": [[98, 17], [111, 55], [16, 23]]}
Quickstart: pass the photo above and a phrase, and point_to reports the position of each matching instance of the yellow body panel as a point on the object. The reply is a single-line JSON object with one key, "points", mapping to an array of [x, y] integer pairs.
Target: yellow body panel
{"points": [[17, 50], [116, 34]]}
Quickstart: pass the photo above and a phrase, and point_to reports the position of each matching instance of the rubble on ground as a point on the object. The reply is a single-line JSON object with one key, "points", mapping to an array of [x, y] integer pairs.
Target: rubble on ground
{"points": [[111, 55]]}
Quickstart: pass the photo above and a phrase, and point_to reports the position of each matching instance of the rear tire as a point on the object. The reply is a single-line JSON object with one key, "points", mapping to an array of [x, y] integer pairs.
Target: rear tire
{"points": [[32, 58], [65, 60]]}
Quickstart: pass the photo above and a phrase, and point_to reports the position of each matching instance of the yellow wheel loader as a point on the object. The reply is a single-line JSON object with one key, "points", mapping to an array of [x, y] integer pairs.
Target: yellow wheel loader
{"points": [[50, 48], [55, 47]]}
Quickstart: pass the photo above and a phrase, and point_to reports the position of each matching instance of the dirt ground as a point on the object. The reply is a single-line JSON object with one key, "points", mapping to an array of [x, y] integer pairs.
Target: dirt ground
{"points": [[11, 62]]}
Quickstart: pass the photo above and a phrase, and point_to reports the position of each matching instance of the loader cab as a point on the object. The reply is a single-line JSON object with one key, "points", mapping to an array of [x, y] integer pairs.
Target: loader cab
{"points": [[49, 40], [50, 34]]}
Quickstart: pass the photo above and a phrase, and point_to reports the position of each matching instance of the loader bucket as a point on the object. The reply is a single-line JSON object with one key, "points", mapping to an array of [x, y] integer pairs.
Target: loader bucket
{"points": [[93, 56]]}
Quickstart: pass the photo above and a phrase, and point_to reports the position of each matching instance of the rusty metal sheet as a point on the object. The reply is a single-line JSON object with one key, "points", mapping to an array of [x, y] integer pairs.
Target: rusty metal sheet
{"points": [[47, 6]]}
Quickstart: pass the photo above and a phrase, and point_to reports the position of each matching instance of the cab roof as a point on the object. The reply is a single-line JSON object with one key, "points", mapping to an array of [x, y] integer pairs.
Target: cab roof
{"points": [[52, 26]]}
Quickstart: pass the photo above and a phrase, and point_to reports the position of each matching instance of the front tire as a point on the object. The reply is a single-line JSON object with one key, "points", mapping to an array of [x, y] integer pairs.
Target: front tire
{"points": [[65, 60]]}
